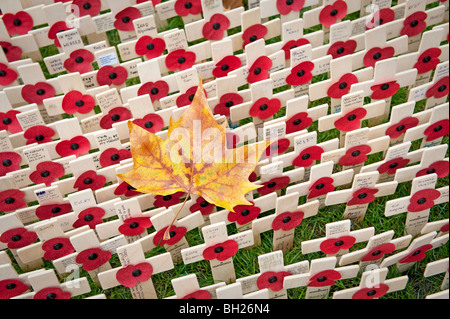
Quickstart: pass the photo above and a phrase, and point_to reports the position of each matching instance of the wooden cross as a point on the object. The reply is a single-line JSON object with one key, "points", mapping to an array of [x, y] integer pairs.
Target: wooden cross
{"points": [[436, 91], [321, 276], [440, 226], [219, 249], [20, 282], [167, 9], [357, 143], [321, 181], [377, 247], [177, 240], [439, 295], [438, 267], [271, 275], [385, 83], [136, 271], [234, 291], [415, 252], [90, 254], [348, 113], [434, 130], [287, 217], [418, 205], [364, 190], [187, 287], [338, 239], [373, 285]]}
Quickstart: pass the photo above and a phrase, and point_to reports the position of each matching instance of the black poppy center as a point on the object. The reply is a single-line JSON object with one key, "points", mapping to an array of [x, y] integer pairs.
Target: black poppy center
{"points": [[253, 38], [289, 2], [74, 146], [416, 252], [437, 128], [204, 203], [339, 243], [134, 225], [333, 12], [426, 59], [297, 122], [51, 296], [88, 218], [218, 250], [16, 238], [126, 19], [431, 171], [216, 26], [154, 91], [442, 88], [188, 5], [148, 124], [88, 181], [342, 85], [340, 50], [257, 71], [320, 186], [40, 92], [362, 195], [400, 128], [115, 157], [306, 156], [131, 188], [224, 67], [414, 23], [271, 185], [263, 107], [245, 212], [172, 234], [115, 117], [191, 97], [371, 293], [112, 75], [379, 22], [45, 173], [384, 87], [229, 104], [79, 103], [351, 117], [17, 22], [10, 200], [57, 246], [79, 59], [376, 56], [92, 256], [393, 165], [356, 153], [167, 197], [7, 121], [136, 273], [300, 73], [181, 60], [150, 46], [6, 162], [86, 6], [376, 253], [421, 201], [273, 279], [321, 278], [2, 73], [10, 286], [286, 219]]}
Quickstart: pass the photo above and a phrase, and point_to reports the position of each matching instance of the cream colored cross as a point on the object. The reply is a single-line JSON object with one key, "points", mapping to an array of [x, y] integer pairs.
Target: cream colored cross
{"points": [[438, 267], [234, 291], [7, 272], [187, 286]]}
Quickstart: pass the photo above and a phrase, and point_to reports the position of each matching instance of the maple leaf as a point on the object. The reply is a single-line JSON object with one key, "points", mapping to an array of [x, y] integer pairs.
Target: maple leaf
{"points": [[193, 159]]}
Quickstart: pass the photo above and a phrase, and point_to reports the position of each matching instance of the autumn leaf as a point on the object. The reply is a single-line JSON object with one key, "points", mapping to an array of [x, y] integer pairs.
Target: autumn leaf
{"points": [[193, 159]]}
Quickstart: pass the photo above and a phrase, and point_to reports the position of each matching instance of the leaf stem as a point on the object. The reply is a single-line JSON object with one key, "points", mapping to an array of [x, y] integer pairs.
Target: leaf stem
{"points": [[167, 232]]}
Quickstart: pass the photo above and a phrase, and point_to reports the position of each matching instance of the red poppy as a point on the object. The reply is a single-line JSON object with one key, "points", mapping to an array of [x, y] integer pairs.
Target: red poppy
{"points": [[291, 44], [428, 60], [378, 252], [438, 89], [110, 75], [252, 177], [351, 120], [381, 17], [89, 179], [332, 246], [77, 102], [244, 214], [9, 122], [47, 172], [363, 196], [259, 70], [57, 247], [10, 162], [384, 90], [90, 216], [216, 27], [150, 47], [115, 115], [333, 12], [124, 19], [276, 148], [10, 288], [298, 122], [18, 237], [226, 101], [264, 108], [377, 54], [186, 7], [414, 24], [112, 156], [180, 60], [253, 33], [423, 199], [401, 127], [320, 187], [199, 294], [286, 6], [221, 251], [7, 75], [135, 226], [355, 155], [92, 258], [52, 210], [175, 235], [444, 228], [342, 87], [287, 220], [371, 293], [273, 185], [86, 7], [125, 189], [324, 278], [391, 166], [130, 275], [232, 140], [167, 200], [226, 65], [187, 97], [11, 199], [203, 206], [52, 293], [151, 122], [300, 74], [55, 29], [272, 280], [308, 156], [79, 61], [439, 167], [19, 23], [77, 146], [342, 48], [436, 130], [38, 92], [417, 255], [39, 134]]}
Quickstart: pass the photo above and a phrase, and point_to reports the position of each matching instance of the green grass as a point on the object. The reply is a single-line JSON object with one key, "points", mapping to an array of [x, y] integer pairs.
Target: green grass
{"points": [[246, 260]]}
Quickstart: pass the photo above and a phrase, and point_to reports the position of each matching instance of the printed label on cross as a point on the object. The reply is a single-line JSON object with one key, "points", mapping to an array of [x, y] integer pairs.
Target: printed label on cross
{"points": [[136, 271], [438, 267], [418, 205], [187, 287]]}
